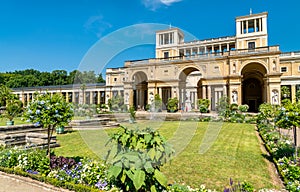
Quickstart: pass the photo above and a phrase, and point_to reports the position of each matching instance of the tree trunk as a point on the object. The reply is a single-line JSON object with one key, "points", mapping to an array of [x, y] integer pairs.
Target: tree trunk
{"points": [[295, 141], [49, 138]]}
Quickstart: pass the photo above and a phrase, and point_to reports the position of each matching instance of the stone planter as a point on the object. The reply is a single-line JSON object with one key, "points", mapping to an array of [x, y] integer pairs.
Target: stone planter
{"points": [[60, 129], [8, 123]]}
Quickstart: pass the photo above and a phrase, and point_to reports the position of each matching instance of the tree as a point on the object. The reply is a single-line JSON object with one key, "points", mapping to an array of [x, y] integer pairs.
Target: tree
{"points": [[289, 118], [59, 77], [13, 107], [203, 105], [100, 79], [298, 95], [157, 103], [5, 92], [285, 92], [223, 107], [50, 112], [172, 104]]}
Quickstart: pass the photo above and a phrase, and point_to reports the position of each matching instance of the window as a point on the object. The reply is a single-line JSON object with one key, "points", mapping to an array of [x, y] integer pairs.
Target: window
{"points": [[251, 45], [216, 69], [283, 69], [115, 79], [299, 68], [166, 54]]}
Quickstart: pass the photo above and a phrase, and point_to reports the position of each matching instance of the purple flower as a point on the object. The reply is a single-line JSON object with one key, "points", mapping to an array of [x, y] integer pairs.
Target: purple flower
{"points": [[37, 124], [101, 184], [32, 172]]}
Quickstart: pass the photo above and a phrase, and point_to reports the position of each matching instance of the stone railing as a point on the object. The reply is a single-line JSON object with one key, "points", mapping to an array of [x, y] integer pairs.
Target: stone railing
{"points": [[210, 55]]}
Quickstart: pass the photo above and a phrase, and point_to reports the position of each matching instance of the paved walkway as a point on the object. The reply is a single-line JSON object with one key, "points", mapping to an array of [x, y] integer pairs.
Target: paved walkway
{"points": [[15, 183]]}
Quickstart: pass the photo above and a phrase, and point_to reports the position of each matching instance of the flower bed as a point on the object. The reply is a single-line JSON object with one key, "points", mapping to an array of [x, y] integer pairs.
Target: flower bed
{"points": [[280, 147]]}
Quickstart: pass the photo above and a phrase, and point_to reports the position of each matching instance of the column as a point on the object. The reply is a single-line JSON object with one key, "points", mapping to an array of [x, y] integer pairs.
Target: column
{"points": [[225, 91], [255, 25], [209, 95], [160, 92], [212, 49], [67, 97], [91, 97], [246, 26], [23, 101], [98, 97], [227, 47], [203, 91], [242, 22], [28, 98], [293, 93], [205, 50], [73, 97], [138, 96], [220, 47]]}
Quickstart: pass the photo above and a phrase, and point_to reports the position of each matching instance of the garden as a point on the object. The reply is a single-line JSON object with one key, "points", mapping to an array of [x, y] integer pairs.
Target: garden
{"points": [[199, 154]]}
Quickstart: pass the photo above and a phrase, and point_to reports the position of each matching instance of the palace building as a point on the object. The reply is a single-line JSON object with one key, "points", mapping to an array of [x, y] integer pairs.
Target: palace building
{"points": [[244, 67]]}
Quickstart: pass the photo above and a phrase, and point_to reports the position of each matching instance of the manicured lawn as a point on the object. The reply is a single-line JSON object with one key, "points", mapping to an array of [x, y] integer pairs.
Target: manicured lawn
{"points": [[206, 153]]}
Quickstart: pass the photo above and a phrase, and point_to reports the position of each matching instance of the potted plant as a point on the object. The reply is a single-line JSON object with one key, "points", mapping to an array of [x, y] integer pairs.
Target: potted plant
{"points": [[172, 105], [13, 108]]}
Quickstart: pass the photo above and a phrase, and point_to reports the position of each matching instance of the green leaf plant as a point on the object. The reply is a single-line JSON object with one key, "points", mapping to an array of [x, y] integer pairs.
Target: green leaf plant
{"points": [[136, 157]]}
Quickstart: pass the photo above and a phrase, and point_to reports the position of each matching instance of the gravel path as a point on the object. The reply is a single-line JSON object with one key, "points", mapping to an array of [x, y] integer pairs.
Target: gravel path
{"points": [[15, 183]]}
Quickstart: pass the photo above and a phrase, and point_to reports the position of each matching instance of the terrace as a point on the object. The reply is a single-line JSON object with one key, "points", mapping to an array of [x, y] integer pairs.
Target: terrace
{"points": [[206, 56]]}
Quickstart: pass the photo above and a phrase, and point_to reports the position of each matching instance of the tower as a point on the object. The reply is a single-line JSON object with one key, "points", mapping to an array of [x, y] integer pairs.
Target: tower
{"points": [[251, 31], [167, 42]]}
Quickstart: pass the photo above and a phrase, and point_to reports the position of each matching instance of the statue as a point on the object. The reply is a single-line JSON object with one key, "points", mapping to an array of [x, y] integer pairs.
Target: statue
{"points": [[234, 97], [274, 97]]}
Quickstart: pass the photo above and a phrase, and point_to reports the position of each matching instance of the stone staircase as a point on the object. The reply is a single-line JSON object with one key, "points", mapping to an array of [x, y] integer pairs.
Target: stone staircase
{"points": [[35, 140], [98, 122], [28, 135]]}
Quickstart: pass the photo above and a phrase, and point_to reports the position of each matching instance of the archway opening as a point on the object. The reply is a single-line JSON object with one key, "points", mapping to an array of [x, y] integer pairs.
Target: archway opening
{"points": [[189, 88], [140, 90], [253, 86]]}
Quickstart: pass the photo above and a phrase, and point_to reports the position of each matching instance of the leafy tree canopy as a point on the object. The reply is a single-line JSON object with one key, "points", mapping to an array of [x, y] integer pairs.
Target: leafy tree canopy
{"points": [[32, 78]]}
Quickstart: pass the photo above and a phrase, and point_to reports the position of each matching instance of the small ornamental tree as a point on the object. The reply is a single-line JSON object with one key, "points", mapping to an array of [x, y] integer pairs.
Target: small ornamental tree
{"points": [[172, 104], [13, 108], [49, 111], [157, 103], [203, 105], [289, 118]]}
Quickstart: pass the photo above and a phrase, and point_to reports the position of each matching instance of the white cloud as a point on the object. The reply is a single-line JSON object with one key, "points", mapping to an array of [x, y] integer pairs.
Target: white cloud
{"points": [[169, 2], [97, 25], [155, 4]]}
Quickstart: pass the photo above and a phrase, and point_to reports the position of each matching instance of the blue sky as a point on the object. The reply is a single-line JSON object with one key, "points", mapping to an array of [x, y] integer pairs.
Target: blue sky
{"points": [[58, 34]]}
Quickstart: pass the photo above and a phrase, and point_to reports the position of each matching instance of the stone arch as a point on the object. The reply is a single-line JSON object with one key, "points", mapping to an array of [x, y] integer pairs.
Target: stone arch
{"points": [[185, 71], [259, 62], [140, 89], [254, 87], [189, 86]]}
